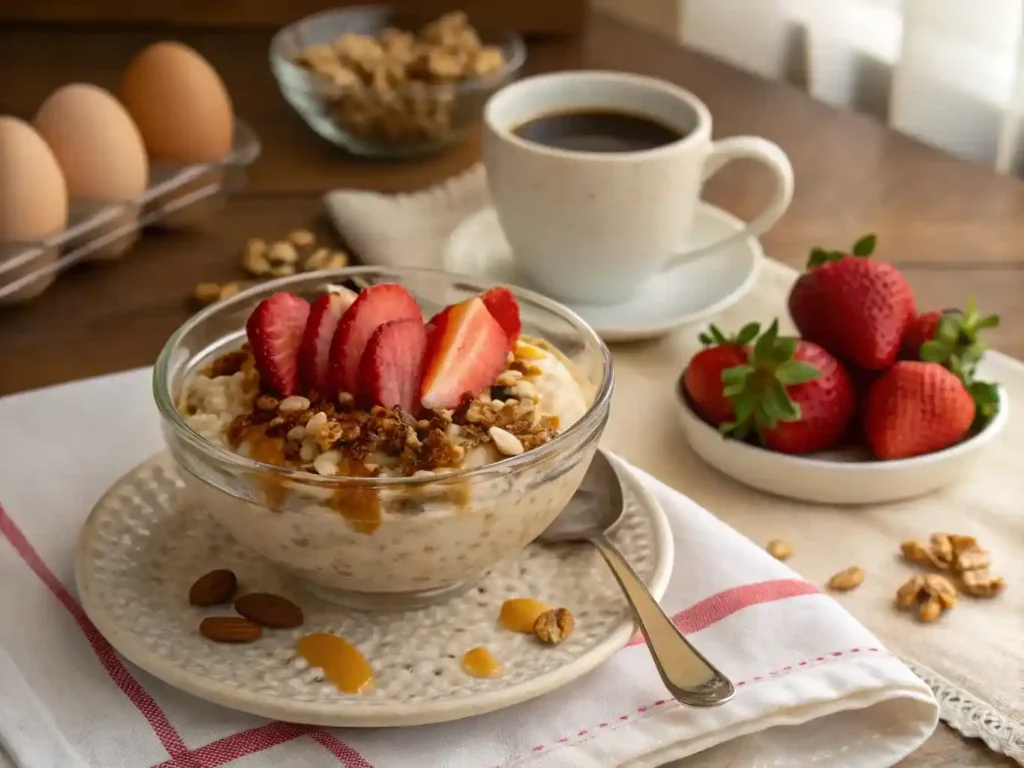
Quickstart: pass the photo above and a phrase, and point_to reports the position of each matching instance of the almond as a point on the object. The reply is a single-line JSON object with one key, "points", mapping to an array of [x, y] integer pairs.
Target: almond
{"points": [[213, 588], [229, 629], [269, 610]]}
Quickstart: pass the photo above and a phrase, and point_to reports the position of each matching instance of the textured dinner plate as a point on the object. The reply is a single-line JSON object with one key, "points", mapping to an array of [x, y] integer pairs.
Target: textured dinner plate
{"points": [[684, 294], [143, 545]]}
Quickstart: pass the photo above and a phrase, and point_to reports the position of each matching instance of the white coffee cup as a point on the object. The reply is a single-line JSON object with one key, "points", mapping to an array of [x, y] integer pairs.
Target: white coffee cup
{"points": [[594, 227]]}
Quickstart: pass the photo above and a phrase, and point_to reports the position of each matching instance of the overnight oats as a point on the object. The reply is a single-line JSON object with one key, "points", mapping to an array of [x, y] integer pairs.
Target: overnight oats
{"points": [[379, 451]]}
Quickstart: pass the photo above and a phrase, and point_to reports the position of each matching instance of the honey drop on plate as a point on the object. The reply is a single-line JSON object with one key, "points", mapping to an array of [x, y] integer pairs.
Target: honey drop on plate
{"points": [[480, 662], [518, 614], [341, 661]]}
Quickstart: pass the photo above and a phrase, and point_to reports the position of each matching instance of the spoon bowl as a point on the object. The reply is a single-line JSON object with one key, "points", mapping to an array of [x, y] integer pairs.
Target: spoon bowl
{"points": [[594, 509]]}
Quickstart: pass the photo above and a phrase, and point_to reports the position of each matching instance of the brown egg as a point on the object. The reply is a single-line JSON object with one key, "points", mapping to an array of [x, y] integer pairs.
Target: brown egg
{"points": [[179, 103], [101, 153], [33, 203], [95, 142], [33, 193]]}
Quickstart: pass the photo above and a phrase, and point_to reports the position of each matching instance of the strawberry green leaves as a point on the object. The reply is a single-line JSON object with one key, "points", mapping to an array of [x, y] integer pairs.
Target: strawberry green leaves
{"points": [[863, 248], [957, 346], [957, 343], [758, 389], [713, 337]]}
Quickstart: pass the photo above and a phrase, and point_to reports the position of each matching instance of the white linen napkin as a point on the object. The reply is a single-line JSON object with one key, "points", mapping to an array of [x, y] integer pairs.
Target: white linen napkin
{"points": [[406, 230], [814, 685]]}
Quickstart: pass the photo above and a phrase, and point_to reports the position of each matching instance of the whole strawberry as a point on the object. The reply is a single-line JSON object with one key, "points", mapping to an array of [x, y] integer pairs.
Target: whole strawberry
{"points": [[855, 308], [916, 408], [702, 380], [797, 396], [951, 338]]}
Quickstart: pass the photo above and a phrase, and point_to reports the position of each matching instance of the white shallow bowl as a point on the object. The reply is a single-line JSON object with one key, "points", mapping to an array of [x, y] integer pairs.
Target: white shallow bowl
{"points": [[848, 476]]}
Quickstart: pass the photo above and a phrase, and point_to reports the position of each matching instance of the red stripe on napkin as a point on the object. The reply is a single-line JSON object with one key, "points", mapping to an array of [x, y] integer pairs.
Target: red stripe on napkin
{"points": [[106, 654], [216, 753], [712, 610]]}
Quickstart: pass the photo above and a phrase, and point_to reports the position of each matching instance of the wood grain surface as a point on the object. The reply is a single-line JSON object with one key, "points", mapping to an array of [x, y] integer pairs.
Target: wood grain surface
{"points": [[528, 16], [955, 228]]}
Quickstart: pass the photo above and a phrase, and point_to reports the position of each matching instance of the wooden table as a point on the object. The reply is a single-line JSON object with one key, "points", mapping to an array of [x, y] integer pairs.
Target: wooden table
{"points": [[952, 227]]}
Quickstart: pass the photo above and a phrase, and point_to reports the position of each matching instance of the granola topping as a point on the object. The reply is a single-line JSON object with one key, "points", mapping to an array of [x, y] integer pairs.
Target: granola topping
{"points": [[533, 399]]}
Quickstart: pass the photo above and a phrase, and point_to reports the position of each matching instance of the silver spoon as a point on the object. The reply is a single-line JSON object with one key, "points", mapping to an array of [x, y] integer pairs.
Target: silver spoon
{"points": [[591, 513]]}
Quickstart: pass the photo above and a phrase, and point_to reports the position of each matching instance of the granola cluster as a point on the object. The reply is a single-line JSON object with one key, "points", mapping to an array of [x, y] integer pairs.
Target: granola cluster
{"points": [[397, 87], [333, 435]]}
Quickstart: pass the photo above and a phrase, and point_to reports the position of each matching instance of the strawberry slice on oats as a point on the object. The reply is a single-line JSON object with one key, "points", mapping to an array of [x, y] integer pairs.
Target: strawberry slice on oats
{"points": [[466, 349], [374, 306], [274, 330]]}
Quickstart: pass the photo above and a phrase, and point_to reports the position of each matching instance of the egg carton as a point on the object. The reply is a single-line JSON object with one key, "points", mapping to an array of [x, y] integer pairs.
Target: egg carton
{"points": [[178, 197]]}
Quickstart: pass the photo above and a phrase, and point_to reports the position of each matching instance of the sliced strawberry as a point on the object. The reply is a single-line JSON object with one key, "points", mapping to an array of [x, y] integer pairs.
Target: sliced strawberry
{"points": [[315, 351], [503, 305], [440, 317], [393, 363], [275, 332], [374, 306], [466, 350]]}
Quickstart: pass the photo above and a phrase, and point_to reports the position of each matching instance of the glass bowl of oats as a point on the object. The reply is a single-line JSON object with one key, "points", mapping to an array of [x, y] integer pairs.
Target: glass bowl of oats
{"points": [[373, 506], [383, 81]]}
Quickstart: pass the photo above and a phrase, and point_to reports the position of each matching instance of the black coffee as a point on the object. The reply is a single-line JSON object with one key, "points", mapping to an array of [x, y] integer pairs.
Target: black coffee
{"points": [[598, 131]]}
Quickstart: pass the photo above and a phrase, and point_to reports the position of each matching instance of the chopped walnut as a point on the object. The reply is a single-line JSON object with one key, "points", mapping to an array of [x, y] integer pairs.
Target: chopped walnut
{"points": [[282, 252], [210, 293], [254, 257], [971, 559], [485, 61], [780, 549], [917, 552], [847, 579], [325, 258], [329, 434], [906, 595], [942, 548], [301, 238], [554, 626], [206, 293], [933, 594], [980, 583]]}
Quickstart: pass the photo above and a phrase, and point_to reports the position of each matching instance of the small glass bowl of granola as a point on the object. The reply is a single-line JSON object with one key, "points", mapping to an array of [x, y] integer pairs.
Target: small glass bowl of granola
{"points": [[384, 81], [384, 507]]}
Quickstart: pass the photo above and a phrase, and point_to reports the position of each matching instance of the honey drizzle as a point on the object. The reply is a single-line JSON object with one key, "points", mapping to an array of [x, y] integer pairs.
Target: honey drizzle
{"points": [[341, 661], [268, 450], [518, 614], [480, 662], [360, 506]]}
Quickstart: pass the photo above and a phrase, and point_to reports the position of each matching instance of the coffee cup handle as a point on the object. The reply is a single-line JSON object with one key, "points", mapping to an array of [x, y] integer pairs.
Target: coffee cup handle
{"points": [[749, 148]]}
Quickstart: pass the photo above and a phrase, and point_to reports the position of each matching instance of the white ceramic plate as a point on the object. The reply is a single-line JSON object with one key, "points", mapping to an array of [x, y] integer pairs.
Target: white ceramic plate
{"points": [[837, 477], [682, 295], [143, 546]]}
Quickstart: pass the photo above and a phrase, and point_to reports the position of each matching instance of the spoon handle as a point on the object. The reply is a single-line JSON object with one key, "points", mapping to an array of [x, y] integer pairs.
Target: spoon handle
{"points": [[689, 677]]}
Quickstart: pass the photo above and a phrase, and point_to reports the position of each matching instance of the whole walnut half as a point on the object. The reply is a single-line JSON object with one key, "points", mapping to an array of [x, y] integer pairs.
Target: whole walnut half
{"points": [[554, 626]]}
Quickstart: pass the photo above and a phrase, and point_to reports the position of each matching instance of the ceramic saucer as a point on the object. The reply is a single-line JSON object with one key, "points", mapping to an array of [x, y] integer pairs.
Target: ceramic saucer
{"points": [[688, 293], [143, 545]]}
